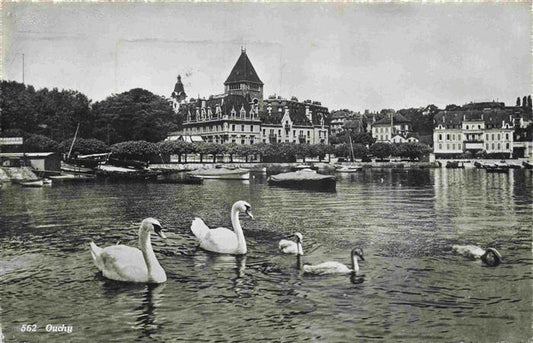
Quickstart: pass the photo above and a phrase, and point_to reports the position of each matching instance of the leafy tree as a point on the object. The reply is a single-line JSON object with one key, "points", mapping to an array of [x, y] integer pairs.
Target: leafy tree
{"points": [[135, 150], [231, 150], [524, 101], [518, 102], [202, 148], [40, 143], [134, 115], [411, 150], [84, 146], [380, 150]]}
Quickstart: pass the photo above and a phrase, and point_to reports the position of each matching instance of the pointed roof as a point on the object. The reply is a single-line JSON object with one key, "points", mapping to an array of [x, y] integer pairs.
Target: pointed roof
{"points": [[243, 71]]}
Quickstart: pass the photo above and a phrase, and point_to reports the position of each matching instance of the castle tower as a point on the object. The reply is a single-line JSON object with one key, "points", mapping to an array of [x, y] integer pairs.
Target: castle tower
{"points": [[244, 80], [178, 95]]}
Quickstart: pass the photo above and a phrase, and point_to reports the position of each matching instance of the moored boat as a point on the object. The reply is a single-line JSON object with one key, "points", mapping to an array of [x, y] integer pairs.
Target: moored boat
{"points": [[72, 178], [221, 173], [124, 173], [31, 183], [349, 169], [527, 165], [497, 168], [304, 179]]}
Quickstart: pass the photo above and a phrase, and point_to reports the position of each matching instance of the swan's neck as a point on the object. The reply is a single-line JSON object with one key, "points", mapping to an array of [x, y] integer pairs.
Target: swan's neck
{"points": [[355, 264], [241, 242], [145, 245], [299, 249]]}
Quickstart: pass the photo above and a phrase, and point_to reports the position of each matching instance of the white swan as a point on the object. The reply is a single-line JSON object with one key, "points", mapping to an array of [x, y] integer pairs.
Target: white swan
{"points": [[490, 257], [222, 240], [336, 267], [289, 247], [124, 263]]}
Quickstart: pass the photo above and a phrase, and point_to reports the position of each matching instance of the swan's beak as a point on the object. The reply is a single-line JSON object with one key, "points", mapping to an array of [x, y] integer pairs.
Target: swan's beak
{"points": [[249, 212], [159, 231]]}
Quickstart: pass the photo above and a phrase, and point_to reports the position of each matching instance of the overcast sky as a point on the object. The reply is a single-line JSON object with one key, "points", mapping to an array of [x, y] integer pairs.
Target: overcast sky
{"points": [[355, 56]]}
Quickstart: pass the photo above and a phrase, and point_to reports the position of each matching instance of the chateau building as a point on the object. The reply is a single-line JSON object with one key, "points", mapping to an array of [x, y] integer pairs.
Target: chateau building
{"points": [[241, 115], [472, 129]]}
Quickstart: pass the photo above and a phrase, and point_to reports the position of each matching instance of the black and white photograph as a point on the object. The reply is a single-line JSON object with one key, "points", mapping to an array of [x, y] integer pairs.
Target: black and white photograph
{"points": [[238, 171]]}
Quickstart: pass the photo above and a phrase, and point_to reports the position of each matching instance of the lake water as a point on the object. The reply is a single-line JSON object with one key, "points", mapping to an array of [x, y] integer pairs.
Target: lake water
{"points": [[411, 287]]}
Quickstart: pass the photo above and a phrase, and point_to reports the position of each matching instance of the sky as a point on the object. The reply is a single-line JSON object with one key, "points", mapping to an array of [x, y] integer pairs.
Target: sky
{"points": [[356, 56]]}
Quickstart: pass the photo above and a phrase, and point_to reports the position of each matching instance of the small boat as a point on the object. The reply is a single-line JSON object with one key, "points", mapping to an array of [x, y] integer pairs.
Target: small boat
{"points": [[527, 165], [75, 168], [304, 179], [72, 177], [47, 182], [497, 168], [349, 169], [222, 173], [455, 165], [125, 173], [303, 166], [31, 183]]}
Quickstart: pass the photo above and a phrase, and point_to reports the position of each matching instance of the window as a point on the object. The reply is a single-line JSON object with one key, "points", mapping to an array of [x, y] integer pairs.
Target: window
{"points": [[251, 127], [498, 136], [279, 132], [440, 136], [499, 146], [242, 141], [506, 136], [232, 127], [294, 133], [467, 127], [242, 127], [308, 133], [448, 137], [507, 146]]}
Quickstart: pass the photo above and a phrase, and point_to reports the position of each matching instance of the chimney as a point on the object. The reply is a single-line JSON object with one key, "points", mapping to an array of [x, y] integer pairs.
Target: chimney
{"points": [[308, 114]]}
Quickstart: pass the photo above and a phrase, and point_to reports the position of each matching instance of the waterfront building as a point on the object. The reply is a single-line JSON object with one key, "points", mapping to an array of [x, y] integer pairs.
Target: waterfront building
{"points": [[397, 130], [241, 115], [474, 128]]}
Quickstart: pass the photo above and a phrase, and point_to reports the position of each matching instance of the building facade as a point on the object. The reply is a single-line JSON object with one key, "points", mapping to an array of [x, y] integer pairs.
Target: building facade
{"points": [[397, 130], [489, 130], [241, 115]]}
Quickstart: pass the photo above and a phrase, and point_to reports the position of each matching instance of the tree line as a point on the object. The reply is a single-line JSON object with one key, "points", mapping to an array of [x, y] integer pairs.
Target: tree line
{"points": [[55, 114]]}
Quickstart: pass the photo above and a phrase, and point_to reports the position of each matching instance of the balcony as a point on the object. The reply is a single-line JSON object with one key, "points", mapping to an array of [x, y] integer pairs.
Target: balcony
{"points": [[473, 145], [302, 138], [272, 138]]}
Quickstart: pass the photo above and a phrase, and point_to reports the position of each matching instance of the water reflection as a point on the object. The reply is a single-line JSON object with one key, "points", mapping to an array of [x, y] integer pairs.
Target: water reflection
{"points": [[412, 288]]}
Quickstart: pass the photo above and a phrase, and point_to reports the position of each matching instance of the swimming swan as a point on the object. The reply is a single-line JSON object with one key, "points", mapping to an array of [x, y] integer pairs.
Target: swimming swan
{"points": [[491, 257], [124, 263], [336, 267], [290, 247], [222, 240]]}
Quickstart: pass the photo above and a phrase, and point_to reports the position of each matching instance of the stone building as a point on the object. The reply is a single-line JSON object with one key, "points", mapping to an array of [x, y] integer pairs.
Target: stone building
{"points": [[398, 130], [241, 115]]}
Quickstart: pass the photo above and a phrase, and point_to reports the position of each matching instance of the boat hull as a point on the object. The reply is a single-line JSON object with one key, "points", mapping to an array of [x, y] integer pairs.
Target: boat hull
{"points": [[304, 180], [222, 174]]}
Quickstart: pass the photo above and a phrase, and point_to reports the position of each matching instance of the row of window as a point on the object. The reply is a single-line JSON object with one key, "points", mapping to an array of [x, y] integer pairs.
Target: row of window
{"points": [[488, 146], [492, 136]]}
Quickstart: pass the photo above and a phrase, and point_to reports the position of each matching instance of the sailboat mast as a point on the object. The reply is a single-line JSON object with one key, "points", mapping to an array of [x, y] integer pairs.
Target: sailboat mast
{"points": [[22, 68], [72, 144]]}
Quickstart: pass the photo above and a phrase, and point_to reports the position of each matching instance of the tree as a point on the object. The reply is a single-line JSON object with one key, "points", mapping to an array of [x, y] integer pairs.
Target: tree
{"points": [[134, 115], [518, 102], [84, 146], [40, 143], [202, 148], [529, 105], [179, 148], [524, 101], [411, 150], [135, 150], [380, 150], [232, 149]]}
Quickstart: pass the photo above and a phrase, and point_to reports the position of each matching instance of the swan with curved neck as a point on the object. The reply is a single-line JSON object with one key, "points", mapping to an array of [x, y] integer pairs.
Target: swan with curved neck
{"points": [[491, 257], [292, 247], [222, 240], [327, 268], [123, 263]]}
